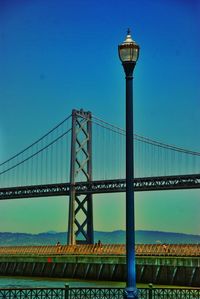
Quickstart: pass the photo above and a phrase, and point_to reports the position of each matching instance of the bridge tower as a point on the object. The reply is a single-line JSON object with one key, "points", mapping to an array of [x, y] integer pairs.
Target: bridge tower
{"points": [[80, 223]]}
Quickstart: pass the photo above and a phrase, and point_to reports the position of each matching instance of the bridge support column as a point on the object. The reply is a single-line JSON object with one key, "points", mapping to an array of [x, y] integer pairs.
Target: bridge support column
{"points": [[80, 223]]}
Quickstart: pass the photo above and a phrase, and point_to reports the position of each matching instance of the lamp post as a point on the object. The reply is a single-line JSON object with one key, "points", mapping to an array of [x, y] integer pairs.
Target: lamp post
{"points": [[128, 54]]}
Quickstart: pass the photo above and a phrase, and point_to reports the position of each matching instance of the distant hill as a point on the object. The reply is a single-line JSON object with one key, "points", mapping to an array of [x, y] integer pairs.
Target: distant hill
{"points": [[115, 237], [148, 237]]}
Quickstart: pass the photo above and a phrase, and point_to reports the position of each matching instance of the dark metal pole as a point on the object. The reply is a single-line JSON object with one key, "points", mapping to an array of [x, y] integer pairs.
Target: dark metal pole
{"points": [[131, 291]]}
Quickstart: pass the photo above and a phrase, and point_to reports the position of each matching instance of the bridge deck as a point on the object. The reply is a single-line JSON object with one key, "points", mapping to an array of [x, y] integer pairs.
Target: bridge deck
{"points": [[177, 182]]}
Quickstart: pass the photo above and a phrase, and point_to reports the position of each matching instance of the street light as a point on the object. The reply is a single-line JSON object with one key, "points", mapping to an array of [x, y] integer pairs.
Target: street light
{"points": [[128, 54]]}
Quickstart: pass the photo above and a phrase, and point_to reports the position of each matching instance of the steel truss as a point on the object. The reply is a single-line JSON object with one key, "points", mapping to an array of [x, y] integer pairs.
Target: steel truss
{"points": [[105, 186]]}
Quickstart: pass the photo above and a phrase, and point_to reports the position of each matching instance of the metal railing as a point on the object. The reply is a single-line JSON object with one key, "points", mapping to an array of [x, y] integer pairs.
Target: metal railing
{"points": [[96, 293], [107, 249], [33, 293], [143, 293]]}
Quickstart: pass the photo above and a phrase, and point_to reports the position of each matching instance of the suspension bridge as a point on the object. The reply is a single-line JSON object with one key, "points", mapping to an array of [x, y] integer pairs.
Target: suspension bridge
{"points": [[84, 155]]}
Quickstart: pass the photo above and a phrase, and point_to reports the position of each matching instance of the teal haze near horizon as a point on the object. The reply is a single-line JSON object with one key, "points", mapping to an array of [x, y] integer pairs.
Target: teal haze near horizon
{"points": [[59, 55]]}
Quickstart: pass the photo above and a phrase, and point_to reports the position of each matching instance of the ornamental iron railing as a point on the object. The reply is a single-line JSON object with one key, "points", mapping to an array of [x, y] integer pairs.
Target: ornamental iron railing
{"points": [[33, 293], [106, 249], [97, 293]]}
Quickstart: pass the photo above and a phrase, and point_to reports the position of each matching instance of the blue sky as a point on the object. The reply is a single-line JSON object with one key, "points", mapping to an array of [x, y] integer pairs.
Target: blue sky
{"points": [[60, 55]]}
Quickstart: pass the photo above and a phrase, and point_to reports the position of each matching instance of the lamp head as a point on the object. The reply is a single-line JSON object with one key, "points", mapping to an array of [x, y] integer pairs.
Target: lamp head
{"points": [[128, 50]]}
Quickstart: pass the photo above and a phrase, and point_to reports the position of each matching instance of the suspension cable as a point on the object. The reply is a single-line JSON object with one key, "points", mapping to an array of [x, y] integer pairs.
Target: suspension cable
{"points": [[121, 131], [36, 153], [34, 143]]}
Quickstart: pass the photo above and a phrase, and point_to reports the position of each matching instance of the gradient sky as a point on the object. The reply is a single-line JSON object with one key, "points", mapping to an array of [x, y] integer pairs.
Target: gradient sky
{"points": [[60, 55]]}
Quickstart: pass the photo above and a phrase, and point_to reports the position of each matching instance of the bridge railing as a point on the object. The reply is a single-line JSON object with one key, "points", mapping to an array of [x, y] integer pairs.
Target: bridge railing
{"points": [[106, 249]]}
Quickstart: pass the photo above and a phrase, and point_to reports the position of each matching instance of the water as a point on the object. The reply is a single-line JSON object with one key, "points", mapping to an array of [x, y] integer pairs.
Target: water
{"points": [[12, 282], [36, 282]]}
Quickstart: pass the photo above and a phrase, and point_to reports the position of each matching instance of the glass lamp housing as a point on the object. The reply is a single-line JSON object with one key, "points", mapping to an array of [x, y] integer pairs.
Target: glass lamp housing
{"points": [[128, 50]]}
